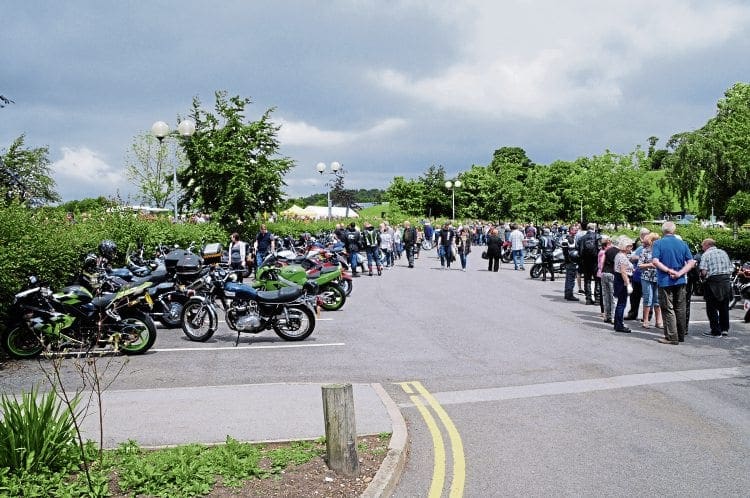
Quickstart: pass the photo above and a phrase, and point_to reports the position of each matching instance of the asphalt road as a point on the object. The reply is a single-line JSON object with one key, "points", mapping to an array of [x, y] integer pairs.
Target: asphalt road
{"points": [[507, 389]]}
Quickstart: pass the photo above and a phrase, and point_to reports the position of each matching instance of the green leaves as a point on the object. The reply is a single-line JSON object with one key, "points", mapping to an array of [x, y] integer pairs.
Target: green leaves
{"points": [[234, 172], [36, 433]]}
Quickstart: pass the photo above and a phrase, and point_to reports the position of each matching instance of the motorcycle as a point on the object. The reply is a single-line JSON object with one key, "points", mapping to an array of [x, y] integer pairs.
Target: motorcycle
{"points": [[558, 263], [42, 320], [745, 292], [288, 311], [166, 296], [506, 253], [271, 276]]}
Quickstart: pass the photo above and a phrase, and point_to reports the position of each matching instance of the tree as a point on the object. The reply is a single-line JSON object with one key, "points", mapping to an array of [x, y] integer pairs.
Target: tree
{"points": [[738, 208], [150, 164], [408, 195], [234, 172], [436, 202], [339, 194], [713, 162], [25, 174]]}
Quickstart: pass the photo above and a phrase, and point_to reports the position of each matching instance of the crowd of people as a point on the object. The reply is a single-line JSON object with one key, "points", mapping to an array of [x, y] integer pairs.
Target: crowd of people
{"points": [[619, 274]]}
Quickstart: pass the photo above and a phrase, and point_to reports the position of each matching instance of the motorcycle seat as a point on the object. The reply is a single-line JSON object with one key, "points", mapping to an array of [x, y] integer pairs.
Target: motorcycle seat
{"points": [[283, 295], [103, 300]]}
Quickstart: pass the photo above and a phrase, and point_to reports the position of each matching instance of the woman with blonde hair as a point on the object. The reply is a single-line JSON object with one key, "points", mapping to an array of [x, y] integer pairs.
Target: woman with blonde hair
{"points": [[648, 282]]}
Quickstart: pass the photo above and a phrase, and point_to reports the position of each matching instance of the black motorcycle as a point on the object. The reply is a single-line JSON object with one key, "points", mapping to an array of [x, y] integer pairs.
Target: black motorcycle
{"points": [[73, 319], [288, 311]]}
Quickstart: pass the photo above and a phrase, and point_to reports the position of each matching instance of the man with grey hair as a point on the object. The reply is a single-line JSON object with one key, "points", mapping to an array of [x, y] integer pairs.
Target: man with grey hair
{"points": [[716, 268], [672, 260]]}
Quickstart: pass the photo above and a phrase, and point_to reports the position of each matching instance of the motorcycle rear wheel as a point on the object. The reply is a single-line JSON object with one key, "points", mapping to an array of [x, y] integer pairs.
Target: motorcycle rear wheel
{"points": [[21, 343], [172, 312], [506, 257], [426, 245], [197, 322], [332, 297], [298, 326], [346, 285], [138, 333], [536, 270]]}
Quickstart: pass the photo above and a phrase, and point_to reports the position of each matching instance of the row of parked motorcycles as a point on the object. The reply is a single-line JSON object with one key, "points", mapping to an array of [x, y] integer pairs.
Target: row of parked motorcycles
{"points": [[115, 309]]}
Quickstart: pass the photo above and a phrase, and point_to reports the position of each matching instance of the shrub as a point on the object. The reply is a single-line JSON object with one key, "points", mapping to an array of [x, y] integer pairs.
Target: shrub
{"points": [[37, 434]]}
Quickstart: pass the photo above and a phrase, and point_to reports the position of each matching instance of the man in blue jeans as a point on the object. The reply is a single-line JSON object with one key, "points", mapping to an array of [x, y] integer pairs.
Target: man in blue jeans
{"points": [[516, 246], [673, 260]]}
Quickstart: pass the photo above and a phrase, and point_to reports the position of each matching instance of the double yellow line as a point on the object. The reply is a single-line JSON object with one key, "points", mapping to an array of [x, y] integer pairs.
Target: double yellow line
{"points": [[419, 395]]}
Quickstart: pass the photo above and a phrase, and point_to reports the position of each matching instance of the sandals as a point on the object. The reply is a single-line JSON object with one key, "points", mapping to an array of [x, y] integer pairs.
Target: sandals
{"points": [[645, 325], [659, 325]]}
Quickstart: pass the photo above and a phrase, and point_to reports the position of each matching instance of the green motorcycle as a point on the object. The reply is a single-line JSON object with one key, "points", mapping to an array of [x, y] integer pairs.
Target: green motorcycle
{"points": [[270, 275]]}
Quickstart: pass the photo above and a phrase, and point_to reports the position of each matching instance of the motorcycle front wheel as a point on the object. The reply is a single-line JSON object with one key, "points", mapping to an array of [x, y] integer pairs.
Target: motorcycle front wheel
{"points": [[137, 333], [198, 323], [21, 343], [506, 256], [426, 245], [295, 323], [332, 297]]}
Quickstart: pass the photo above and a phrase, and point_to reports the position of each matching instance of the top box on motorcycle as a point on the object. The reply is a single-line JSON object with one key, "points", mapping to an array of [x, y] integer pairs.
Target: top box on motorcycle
{"points": [[189, 264], [212, 253], [172, 258]]}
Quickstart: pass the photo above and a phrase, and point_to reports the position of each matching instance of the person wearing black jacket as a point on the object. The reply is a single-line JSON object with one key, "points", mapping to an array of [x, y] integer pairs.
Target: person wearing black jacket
{"points": [[409, 239], [494, 244], [570, 253], [353, 241], [446, 238], [588, 250]]}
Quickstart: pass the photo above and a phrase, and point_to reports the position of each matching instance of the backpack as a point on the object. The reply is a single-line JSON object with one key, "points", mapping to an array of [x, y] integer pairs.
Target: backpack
{"points": [[590, 245]]}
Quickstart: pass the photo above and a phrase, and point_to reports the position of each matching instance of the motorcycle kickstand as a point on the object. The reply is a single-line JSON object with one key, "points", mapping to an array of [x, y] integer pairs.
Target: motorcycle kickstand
{"points": [[237, 342]]}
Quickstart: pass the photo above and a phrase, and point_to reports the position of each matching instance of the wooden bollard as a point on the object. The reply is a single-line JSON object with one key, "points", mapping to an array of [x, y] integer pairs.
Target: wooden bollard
{"points": [[341, 429]]}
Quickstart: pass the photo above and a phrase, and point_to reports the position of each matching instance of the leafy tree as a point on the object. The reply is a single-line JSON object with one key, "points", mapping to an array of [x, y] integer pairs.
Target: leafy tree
{"points": [[339, 194], [713, 162], [150, 164], [25, 174], [738, 208], [436, 202], [234, 172], [408, 195]]}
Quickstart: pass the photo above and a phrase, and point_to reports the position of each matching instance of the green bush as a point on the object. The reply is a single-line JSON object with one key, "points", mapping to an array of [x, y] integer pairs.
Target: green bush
{"points": [[41, 242], [37, 434]]}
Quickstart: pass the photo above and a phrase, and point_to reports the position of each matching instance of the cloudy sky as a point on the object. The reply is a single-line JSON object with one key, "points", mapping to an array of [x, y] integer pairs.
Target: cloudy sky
{"points": [[385, 87]]}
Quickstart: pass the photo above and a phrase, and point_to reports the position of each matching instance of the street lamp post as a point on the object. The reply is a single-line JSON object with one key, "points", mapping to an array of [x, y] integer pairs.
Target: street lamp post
{"points": [[452, 186], [160, 129], [321, 167]]}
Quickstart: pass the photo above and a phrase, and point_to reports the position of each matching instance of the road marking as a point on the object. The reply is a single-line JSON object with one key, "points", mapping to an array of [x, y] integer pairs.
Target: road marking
{"points": [[584, 386], [234, 348], [438, 445], [457, 448]]}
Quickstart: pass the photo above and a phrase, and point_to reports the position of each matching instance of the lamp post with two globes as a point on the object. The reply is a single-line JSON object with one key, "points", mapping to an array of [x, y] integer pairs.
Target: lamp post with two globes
{"points": [[452, 186], [186, 129], [335, 167]]}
